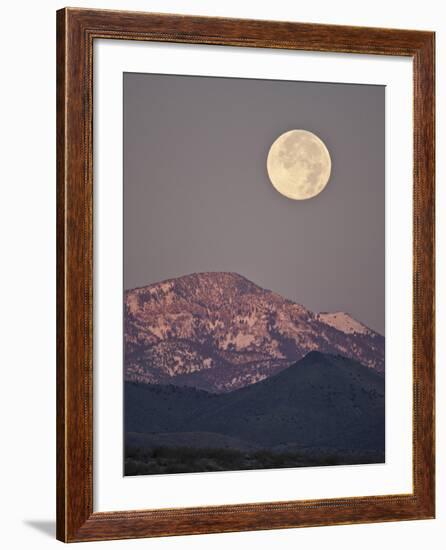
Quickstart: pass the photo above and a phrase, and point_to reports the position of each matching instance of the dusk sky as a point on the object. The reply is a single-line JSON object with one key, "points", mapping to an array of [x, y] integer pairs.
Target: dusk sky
{"points": [[197, 196]]}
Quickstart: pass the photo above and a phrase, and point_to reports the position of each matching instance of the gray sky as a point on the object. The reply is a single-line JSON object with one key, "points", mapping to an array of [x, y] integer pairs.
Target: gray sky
{"points": [[197, 195]]}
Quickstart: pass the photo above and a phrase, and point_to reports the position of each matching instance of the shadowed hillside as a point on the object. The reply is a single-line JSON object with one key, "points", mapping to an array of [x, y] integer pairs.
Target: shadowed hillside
{"points": [[324, 409]]}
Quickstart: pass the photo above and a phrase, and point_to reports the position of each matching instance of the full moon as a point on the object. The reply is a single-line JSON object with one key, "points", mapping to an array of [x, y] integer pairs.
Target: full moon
{"points": [[299, 164]]}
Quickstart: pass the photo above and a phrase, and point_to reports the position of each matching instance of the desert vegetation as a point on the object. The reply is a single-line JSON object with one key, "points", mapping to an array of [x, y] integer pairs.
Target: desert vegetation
{"points": [[171, 460]]}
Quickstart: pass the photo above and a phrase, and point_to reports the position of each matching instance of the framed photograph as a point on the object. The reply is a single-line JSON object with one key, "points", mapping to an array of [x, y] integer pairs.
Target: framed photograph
{"points": [[245, 275]]}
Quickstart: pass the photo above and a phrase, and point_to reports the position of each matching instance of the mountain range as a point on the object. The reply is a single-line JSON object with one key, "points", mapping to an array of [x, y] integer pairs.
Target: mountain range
{"points": [[220, 332]]}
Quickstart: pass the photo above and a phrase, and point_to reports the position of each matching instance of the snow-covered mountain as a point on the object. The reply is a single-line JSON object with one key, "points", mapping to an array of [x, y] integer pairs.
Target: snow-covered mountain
{"points": [[221, 332]]}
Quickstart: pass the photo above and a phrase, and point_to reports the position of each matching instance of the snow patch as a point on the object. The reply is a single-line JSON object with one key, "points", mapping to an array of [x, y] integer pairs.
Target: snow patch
{"points": [[343, 322]]}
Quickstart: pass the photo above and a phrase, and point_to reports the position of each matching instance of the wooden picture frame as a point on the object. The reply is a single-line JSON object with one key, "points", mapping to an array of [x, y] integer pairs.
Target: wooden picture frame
{"points": [[76, 31]]}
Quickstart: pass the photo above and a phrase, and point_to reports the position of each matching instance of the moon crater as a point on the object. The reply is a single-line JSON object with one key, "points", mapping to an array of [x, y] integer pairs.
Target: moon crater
{"points": [[299, 164]]}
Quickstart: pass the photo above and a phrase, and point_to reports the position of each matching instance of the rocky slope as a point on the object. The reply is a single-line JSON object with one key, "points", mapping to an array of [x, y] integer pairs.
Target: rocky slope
{"points": [[220, 332]]}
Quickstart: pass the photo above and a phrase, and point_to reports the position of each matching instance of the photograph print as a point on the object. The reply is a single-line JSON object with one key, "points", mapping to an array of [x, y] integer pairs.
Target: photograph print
{"points": [[254, 274]]}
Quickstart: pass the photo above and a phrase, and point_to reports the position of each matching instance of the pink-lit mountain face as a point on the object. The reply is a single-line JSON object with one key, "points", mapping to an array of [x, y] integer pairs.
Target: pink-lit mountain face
{"points": [[220, 332]]}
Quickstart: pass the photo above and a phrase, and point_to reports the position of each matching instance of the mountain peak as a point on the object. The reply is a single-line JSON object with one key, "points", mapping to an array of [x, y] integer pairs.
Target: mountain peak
{"points": [[343, 322], [220, 278], [315, 355]]}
